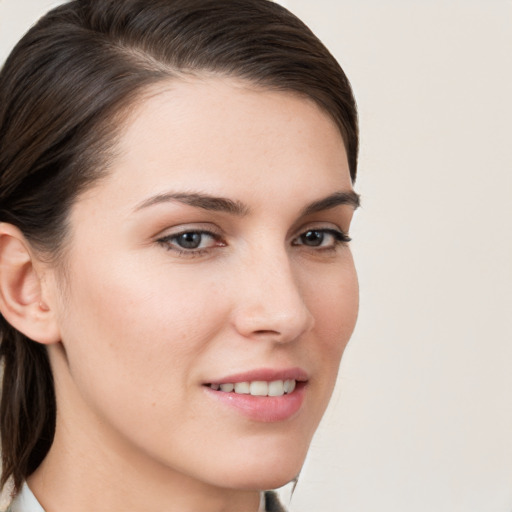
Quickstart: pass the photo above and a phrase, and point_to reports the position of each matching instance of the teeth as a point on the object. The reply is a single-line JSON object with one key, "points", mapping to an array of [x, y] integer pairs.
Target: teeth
{"points": [[242, 388], [276, 388], [289, 385], [258, 387]]}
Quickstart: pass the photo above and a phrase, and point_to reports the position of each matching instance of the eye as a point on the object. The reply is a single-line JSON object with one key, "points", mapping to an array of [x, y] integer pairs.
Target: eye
{"points": [[322, 238], [191, 242]]}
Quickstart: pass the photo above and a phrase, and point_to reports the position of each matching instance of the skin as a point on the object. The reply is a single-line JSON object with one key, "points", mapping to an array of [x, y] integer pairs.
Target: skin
{"points": [[143, 323]]}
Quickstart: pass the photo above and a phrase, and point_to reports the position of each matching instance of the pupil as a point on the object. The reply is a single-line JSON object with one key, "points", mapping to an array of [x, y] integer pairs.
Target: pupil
{"points": [[190, 240], [313, 238]]}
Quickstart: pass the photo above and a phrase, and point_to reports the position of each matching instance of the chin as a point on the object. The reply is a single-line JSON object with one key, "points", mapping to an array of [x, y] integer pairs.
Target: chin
{"points": [[269, 470], [262, 482]]}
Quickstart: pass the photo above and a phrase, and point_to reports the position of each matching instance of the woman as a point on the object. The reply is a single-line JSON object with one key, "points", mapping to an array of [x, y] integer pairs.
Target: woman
{"points": [[176, 287]]}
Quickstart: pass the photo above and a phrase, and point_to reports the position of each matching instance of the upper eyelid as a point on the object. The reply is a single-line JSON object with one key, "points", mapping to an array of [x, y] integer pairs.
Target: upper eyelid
{"points": [[191, 230], [170, 232], [318, 226]]}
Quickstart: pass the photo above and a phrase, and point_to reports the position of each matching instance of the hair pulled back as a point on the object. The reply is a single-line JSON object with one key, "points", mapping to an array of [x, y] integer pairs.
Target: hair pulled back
{"points": [[63, 92]]}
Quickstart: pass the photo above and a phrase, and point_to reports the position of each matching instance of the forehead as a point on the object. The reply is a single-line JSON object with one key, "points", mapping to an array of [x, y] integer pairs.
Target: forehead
{"points": [[222, 136]]}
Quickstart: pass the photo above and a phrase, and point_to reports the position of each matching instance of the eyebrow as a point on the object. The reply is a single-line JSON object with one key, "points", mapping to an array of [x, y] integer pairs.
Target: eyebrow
{"points": [[223, 204], [350, 198], [204, 201]]}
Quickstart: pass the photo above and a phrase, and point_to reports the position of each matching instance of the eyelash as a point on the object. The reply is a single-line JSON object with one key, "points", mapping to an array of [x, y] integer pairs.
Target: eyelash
{"points": [[170, 241], [340, 238]]}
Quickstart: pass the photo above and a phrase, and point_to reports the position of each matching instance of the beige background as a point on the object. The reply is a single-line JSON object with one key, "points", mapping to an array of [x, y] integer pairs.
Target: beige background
{"points": [[422, 417]]}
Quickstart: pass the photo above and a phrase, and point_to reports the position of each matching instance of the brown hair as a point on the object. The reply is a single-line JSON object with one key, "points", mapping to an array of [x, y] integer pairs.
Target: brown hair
{"points": [[61, 91]]}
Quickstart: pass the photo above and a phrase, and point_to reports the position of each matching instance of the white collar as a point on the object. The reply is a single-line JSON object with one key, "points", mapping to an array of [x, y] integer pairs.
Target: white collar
{"points": [[25, 501], [262, 502]]}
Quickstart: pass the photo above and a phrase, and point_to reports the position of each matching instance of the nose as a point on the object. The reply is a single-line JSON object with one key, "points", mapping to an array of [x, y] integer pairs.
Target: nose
{"points": [[270, 303]]}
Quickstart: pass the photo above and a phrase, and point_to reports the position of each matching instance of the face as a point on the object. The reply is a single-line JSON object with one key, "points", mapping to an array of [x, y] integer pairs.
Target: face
{"points": [[214, 255]]}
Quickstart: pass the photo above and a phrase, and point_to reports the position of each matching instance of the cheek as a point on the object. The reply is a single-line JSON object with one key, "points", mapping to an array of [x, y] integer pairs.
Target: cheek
{"points": [[134, 342], [334, 303], [139, 331]]}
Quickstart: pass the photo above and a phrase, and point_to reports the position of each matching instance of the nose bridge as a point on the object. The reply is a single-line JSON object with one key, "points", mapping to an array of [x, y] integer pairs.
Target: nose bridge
{"points": [[271, 303]]}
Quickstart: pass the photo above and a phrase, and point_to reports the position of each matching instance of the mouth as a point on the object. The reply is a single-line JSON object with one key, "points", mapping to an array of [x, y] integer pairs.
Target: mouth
{"points": [[262, 395], [257, 387]]}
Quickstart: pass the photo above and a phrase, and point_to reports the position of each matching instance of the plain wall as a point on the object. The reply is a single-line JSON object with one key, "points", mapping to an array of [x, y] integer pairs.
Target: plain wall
{"points": [[422, 417]]}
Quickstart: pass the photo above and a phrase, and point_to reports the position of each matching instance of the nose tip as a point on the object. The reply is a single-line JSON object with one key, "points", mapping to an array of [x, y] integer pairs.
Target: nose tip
{"points": [[283, 329], [278, 326], [273, 309]]}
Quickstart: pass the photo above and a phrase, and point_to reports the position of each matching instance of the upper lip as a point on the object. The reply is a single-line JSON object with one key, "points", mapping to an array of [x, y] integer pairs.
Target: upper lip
{"points": [[264, 374]]}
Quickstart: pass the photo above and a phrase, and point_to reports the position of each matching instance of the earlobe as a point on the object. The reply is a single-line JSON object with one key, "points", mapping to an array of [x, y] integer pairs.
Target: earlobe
{"points": [[22, 301]]}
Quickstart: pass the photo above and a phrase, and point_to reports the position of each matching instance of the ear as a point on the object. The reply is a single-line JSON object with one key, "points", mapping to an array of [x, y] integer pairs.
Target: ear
{"points": [[22, 301]]}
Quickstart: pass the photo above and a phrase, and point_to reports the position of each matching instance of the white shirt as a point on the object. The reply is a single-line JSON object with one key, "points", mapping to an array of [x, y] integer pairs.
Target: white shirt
{"points": [[25, 501]]}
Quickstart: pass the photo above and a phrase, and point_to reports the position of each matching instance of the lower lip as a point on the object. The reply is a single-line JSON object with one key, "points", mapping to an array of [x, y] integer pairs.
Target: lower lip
{"points": [[266, 409]]}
